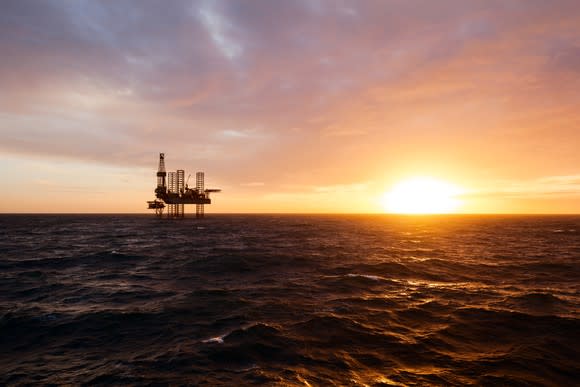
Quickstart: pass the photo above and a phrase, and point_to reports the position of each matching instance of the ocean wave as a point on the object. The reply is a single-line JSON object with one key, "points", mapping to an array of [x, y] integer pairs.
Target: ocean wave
{"points": [[289, 300]]}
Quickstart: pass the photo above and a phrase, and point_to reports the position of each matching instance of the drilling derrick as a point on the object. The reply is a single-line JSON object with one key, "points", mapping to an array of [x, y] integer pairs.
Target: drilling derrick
{"points": [[172, 191], [161, 189], [161, 174]]}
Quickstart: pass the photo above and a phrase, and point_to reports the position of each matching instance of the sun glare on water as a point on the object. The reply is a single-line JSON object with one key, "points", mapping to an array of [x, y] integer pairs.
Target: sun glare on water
{"points": [[422, 195]]}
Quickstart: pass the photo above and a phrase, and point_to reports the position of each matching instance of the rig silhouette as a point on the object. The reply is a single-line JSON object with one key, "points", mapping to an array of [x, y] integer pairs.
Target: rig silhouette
{"points": [[172, 191]]}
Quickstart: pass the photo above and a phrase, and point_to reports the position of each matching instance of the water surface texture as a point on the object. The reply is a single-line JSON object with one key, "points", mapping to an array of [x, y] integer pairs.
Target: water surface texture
{"points": [[290, 300]]}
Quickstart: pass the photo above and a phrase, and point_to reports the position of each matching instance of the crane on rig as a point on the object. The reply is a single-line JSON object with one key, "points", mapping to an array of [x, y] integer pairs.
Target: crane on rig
{"points": [[173, 192]]}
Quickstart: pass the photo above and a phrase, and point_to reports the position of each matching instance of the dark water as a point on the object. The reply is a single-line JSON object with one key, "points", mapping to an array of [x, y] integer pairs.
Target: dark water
{"points": [[290, 300]]}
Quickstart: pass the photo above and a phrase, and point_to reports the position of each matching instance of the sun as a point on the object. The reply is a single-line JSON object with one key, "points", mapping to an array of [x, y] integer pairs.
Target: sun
{"points": [[422, 195]]}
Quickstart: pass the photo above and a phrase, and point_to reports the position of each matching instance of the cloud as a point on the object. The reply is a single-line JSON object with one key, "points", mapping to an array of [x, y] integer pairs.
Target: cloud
{"points": [[544, 187], [356, 187], [292, 91]]}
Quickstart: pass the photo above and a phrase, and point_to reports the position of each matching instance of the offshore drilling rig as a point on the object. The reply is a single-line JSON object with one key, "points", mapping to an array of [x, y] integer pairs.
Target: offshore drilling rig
{"points": [[172, 190]]}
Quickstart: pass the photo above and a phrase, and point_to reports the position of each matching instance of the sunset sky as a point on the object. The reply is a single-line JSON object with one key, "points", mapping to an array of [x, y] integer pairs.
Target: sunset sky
{"points": [[290, 106]]}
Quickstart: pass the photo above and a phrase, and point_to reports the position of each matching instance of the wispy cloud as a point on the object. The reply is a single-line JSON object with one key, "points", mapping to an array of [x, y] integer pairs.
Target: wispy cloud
{"points": [[337, 89], [548, 186]]}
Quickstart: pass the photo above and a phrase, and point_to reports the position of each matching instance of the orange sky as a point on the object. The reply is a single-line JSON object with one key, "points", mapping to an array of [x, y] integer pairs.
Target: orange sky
{"points": [[290, 106]]}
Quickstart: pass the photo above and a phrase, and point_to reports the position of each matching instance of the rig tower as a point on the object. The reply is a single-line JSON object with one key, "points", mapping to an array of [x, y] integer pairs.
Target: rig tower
{"points": [[172, 191]]}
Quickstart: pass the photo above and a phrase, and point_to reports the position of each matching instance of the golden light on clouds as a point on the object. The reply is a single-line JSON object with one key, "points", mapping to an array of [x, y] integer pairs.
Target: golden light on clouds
{"points": [[422, 195], [313, 113]]}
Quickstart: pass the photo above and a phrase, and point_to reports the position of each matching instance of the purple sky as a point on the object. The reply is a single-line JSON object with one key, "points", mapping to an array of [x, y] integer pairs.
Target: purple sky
{"points": [[290, 105]]}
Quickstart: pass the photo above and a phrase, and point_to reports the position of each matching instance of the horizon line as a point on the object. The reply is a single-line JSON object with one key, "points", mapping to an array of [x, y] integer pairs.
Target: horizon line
{"points": [[306, 213]]}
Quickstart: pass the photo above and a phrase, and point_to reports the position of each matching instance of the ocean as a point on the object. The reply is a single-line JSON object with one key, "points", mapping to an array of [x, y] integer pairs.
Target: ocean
{"points": [[290, 300]]}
